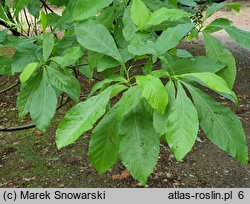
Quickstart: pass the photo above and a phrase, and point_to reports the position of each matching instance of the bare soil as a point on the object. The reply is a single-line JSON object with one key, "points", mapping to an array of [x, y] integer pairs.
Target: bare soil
{"points": [[30, 159]]}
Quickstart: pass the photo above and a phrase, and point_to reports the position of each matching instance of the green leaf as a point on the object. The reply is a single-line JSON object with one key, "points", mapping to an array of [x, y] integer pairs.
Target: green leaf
{"points": [[154, 91], [105, 140], [106, 62], [28, 71], [216, 50], [53, 19], [153, 5], [160, 121], [194, 65], [2, 14], [148, 67], [86, 9], [234, 6], [34, 7], [26, 94], [70, 56], [240, 36], [183, 53], [164, 14], [81, 118], [130, 31], [213, 82], [107, 17], [139, 13], [43, 103], [43, 21], [19, 5], [171, 37], [161, 73], [59, 2], [213, 8], [105, 82], [182, 125], [190, 3], [148, 48], [97, 38], [217, 24], [94, 58], [221, 125], [48, 45], [140, 144], [65, 82], [67, 13], [24, 55], [87, 71]]}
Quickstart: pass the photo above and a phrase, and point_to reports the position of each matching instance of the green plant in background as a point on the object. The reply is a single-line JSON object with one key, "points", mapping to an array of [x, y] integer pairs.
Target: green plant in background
{"points": [[132, 45]]}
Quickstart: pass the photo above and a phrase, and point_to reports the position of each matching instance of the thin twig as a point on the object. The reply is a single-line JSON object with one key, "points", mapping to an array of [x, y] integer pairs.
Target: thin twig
{"points": [[9, 88], [3, 83], [27, 20], [46, 6], [12, 29], [29, 126]]}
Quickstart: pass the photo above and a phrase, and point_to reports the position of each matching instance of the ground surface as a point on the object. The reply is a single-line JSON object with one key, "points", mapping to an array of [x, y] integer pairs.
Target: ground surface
{"points": [[28, 159]]}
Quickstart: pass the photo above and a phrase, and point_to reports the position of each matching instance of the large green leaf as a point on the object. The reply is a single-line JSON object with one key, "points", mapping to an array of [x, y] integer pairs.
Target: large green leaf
{"points": [[216, 50], [28, 71], [34, 7], [43, 103], [154, 91], [140, 144], [182, 125], [213, 82], [148, 48], [130, 31], [164, 14], [194, 65], [218, 24], [67, 13], [81, 118], [65, 82], [220, 125], [106, 62], [160, 121], [26, 94], [97, 38], [48, 45], [105, 82], [24, 55], [105, 140], [139, 13], [85, 9], [171, 37], [70, 56], [242, 37], [107, 17], [214, 8]]}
